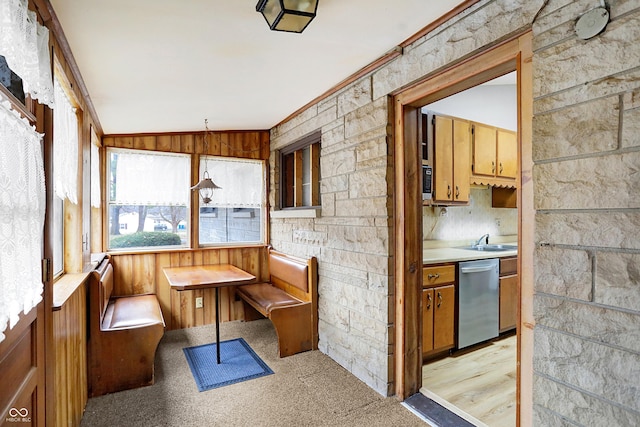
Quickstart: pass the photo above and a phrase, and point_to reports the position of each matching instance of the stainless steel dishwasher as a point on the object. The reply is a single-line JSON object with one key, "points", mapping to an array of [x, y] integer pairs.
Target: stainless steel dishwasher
{"points": [[478, 303]]}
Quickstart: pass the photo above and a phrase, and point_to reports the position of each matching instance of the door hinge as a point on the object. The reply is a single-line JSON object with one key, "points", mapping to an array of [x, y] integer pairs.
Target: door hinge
{"points": [[46, 267]]}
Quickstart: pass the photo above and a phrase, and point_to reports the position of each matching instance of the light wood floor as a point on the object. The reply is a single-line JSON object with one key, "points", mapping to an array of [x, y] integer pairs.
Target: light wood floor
{"points": [[481, 382]]}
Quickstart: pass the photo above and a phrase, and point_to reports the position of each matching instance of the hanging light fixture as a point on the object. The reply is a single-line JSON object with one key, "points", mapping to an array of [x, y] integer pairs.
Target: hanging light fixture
{"points": [[288, 15], [205, 186]]}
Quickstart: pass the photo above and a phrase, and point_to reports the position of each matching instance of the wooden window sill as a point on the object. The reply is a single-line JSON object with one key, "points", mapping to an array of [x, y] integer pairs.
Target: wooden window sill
{"points": [[65, 286]]}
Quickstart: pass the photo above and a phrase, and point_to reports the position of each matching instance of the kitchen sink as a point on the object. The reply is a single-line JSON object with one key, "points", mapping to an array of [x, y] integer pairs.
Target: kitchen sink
{"points": [[490, 248]]}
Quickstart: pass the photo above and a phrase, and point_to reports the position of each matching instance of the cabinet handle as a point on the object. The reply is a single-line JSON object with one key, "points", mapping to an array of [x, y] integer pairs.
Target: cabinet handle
{"points": [[428, 301], [439, 300], [457, 192], [448, 190], [433, 276], [493, 167], [500, 167]]}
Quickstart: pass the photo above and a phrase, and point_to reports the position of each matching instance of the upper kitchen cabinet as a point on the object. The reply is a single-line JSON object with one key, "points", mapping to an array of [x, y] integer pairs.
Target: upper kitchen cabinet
{"points": [[452, 154], [494, 155]]}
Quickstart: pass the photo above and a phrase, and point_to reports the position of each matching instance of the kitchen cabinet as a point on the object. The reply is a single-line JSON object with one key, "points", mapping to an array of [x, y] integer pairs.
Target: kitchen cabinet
{"points": [[438, 305], [508, 293], [494, 152], [452, 155]]}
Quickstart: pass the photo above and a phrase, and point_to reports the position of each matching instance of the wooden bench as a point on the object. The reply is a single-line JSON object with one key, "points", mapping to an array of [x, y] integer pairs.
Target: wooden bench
{"points": [[289, 300], [124, 333]]}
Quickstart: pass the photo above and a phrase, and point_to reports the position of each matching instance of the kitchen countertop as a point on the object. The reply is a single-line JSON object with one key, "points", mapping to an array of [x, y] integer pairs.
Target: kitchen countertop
{"points": [[439, 255]]}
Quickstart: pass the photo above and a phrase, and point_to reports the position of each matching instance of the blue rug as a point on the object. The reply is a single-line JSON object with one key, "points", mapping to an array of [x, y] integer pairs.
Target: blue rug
{"points": [[238, 362]]}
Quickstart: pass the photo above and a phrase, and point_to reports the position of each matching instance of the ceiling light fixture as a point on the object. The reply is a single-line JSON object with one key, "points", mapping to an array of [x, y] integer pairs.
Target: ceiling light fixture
{"points": [[205, 186], [288, 15]]}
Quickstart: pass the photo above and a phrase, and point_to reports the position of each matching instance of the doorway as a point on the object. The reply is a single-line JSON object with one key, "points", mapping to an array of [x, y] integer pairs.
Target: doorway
{"points": [[512, 55]]}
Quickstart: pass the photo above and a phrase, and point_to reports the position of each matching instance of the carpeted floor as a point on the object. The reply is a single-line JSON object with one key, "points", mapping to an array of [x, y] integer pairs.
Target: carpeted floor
{"points": [[307, 389]]}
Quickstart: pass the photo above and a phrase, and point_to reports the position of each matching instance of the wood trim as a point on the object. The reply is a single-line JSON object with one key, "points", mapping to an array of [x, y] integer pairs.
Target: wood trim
{"points": [[297, 177], [514, 54]]}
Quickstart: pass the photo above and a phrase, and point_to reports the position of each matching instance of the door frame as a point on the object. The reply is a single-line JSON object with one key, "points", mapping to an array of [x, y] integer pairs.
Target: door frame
{"points": [[514, 54]]}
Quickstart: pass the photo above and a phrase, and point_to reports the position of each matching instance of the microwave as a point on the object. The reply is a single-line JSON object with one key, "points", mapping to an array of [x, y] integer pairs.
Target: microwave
{"points": [[426, 182]]}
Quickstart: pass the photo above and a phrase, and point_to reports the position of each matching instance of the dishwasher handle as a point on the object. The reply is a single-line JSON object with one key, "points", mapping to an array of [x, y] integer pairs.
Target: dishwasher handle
{"points": [[478, 269]]}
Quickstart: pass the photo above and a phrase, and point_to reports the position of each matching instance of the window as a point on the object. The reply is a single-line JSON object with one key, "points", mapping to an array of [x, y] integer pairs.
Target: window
{"points": [[236, 213], [300, 173], [148, 199]]}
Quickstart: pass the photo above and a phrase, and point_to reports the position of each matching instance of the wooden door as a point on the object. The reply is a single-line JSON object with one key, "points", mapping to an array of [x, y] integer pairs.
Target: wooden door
{"points": [[443, 316], [507, 154], [484, 150], [443, 157], [427, 320], [461, 160], [508, 302]]}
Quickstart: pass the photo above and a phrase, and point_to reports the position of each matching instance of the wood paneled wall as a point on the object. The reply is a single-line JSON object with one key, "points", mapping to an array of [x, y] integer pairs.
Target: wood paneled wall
{"points": [[142, 273], [246, 144], [70, 346]]}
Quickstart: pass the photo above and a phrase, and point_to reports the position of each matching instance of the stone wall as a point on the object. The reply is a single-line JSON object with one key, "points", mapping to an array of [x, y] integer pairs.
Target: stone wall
{"points": [[353, 237], [586, 148]]}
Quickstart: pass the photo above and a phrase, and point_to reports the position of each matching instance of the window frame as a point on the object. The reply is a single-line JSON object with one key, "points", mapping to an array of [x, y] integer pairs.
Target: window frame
{"points": [[108, 204], [294, 191]]}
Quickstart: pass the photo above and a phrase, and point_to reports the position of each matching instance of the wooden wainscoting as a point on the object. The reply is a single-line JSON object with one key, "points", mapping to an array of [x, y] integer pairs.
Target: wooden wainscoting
{"points": [[142, 273], [70, 346]]}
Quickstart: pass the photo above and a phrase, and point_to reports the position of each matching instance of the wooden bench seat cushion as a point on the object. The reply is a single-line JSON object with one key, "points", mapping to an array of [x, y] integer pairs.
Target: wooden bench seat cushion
{"points": [[267, 296], [132, 312]]}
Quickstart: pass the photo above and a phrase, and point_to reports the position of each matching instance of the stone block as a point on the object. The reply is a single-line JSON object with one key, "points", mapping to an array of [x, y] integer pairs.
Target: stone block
{"points": [[631, 128], [618, 280], [563, 272], [587, 128], [609, 229], [342, 274], [377, 206], [304, 116], [543, 417], [332, 137], [581, 408], [557, 22], [366, 118], [333, 184], [334, 314], [369, 183], [600, 370], [596, 323], [590, 183], [304, 128], [355, 96], [308, 237], [338, 163], [370, 240], [372, 150], [554, 68]]}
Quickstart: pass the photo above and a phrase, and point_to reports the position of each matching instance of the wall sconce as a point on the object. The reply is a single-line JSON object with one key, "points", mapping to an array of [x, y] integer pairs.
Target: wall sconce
{"points": [[288, 15], [205, 186]]}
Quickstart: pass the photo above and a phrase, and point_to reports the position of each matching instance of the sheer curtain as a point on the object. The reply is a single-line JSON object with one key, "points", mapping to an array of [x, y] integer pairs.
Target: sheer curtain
{"points": [[65, 143], [95, 171], [241, 182], [22, 208], [25, 45]]}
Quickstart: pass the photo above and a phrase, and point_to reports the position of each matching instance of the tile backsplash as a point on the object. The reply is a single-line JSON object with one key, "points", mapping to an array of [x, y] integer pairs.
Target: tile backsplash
{"points": [[469, 222]]}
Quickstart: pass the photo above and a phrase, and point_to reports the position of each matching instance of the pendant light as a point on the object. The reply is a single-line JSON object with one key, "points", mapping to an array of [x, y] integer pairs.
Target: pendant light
{"points": [[205, 186], [288, 15]]}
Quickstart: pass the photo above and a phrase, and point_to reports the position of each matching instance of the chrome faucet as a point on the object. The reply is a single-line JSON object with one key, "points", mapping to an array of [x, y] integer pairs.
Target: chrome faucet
{"points": [[485, 238]]}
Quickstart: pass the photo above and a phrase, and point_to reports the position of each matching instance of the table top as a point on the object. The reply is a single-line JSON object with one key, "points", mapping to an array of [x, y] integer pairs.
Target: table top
{"points": [[206, 276]]}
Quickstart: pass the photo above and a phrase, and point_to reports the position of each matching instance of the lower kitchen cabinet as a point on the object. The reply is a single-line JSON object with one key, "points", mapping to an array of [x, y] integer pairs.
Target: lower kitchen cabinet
{"points": [[508, 294], [438, 304]]}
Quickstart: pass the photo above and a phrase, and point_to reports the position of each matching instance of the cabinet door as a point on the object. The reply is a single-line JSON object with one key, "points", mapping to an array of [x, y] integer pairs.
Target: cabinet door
{"points": [[484, 150], [461, 160], [507, 154], [444, 300], [427, 320], [508, 302], [443, 173]]}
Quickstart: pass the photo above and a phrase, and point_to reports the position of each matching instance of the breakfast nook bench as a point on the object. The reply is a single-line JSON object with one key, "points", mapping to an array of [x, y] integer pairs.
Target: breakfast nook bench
{"points": [[124, 333], [289, 300]]}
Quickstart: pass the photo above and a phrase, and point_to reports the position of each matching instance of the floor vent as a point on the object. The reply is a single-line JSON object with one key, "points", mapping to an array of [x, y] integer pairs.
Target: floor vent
{"points": [[434, 413]]}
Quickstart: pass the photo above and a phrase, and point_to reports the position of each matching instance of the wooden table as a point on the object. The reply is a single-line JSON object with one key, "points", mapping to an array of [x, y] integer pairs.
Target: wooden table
{"points": [[208, 276]]}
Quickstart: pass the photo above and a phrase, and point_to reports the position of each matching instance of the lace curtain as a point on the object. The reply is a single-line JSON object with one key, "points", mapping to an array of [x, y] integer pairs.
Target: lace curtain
{"points": [[22, 208], [65, 144], [25, 45], [151, 178], [95, 171], [242, 182]]}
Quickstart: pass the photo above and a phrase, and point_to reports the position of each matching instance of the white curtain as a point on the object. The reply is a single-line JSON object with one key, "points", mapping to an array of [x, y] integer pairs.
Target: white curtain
{"points": [[65, 147], [151, 178], [22, 208], [25, 45], [242, 182], [95, 172]]}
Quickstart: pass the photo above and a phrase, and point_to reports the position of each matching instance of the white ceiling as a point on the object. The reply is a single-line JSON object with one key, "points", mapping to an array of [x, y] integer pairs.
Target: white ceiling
{"points": [[166, 65]]}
